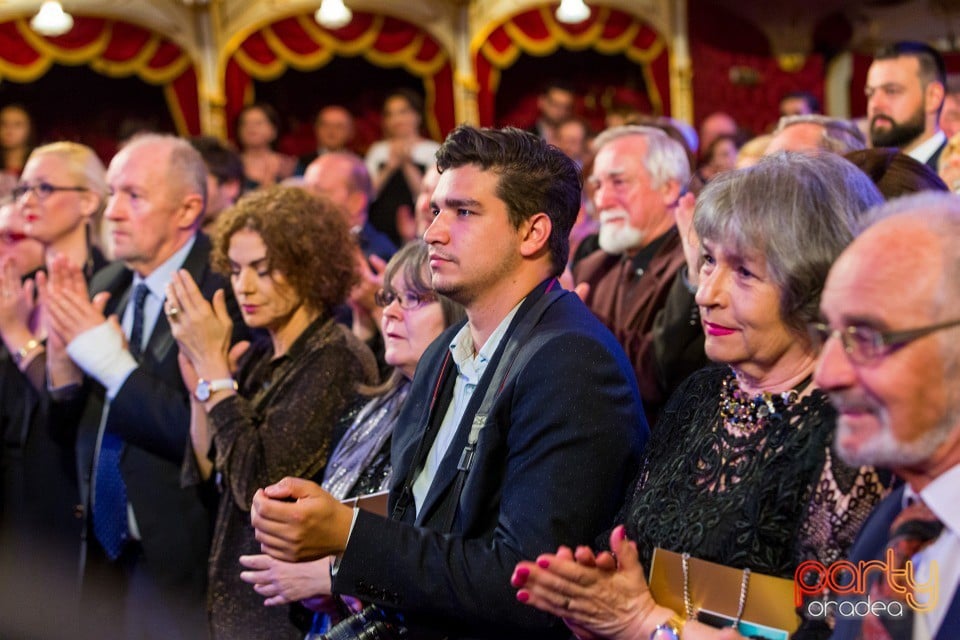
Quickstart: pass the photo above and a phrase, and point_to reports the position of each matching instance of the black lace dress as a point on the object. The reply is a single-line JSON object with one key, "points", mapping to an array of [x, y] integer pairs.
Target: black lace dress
{"points": [[765, 499]]}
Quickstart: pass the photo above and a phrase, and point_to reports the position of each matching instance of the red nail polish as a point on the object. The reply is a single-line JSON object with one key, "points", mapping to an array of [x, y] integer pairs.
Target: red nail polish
{"points": [[523, 596], [520, 576], [543, 563]]}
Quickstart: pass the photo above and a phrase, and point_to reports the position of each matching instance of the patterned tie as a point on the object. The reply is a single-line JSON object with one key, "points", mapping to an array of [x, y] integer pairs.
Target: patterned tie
{"points": [[914, 529], [110, 492]]}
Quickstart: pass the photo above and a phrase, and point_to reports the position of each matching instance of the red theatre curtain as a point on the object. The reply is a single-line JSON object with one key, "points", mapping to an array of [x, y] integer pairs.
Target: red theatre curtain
{"points": [[303, 44], [536, 32], [112, 48]]}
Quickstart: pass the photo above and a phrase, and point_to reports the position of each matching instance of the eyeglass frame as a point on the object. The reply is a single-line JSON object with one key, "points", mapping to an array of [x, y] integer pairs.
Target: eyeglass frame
{"points": [[42, 190], [385, 297], [880, 341]]}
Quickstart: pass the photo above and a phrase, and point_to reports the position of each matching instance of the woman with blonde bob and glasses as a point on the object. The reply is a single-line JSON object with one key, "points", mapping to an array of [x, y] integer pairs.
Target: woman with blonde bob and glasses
{"points": [[740, 469], [60, 195], [289, 257]]}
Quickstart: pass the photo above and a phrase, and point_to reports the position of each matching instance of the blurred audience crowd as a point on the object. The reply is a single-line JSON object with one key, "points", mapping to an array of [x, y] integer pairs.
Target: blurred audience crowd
{"points": [[478, 388]]}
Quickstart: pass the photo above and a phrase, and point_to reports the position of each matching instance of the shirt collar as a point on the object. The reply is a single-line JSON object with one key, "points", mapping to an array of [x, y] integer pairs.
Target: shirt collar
{"points": [[157, 280], [461, 347], [641, 260], [927, 148], [941, 497]]}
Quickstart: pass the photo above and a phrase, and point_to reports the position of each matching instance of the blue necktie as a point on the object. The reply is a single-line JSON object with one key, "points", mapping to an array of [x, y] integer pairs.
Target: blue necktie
{"points": [[110, 499]]}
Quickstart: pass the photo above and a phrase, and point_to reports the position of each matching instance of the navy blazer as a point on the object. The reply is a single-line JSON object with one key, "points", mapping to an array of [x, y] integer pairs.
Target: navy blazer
{"points": [[151, 414], [871, 544], [561, 446]]}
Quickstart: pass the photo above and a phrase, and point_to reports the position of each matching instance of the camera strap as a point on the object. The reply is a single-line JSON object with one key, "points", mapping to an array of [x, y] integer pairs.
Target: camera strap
{"points": [[513, 358]]}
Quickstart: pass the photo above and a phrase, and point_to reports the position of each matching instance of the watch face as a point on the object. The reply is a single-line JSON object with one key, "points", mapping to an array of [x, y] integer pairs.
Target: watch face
{"points": [[664, 632], [203, 391]]}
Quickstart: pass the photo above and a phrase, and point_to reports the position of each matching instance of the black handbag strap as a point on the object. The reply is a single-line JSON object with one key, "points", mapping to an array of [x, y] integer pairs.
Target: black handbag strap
{"points": [[512, 359]]}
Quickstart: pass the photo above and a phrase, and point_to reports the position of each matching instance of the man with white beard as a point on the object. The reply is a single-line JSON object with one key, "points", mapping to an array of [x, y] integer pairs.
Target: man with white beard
{"points": [[637, 281]]}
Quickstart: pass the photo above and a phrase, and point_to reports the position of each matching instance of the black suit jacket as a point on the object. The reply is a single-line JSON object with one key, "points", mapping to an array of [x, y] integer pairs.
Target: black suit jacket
{"points": [[870, 545], [151, 414], [552, 466]]}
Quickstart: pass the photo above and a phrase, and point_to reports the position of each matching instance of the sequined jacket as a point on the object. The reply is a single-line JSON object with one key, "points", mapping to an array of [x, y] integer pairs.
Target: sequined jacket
{"points": [[280, 424]]}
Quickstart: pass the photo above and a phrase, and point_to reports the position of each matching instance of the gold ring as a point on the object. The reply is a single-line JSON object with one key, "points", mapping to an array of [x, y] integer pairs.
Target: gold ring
{"points": [[172, 312]]}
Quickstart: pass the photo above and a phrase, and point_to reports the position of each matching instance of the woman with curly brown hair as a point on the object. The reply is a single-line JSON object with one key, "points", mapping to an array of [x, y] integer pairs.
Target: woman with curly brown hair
{"points": [[290, 260]]}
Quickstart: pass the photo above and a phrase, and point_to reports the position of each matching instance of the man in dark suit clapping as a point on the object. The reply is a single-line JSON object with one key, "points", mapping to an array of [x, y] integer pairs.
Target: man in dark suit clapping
{"points": [[117, 381]]}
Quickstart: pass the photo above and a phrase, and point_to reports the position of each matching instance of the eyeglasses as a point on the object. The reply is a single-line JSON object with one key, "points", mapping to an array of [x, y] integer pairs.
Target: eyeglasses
{"points": [[410, 300], [865, 344], [42, 190]]}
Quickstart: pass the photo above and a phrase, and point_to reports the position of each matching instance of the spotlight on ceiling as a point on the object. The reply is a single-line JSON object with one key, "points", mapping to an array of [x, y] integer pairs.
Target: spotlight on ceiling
{"points": [[572, 11], [52, 20], [333, 14]]}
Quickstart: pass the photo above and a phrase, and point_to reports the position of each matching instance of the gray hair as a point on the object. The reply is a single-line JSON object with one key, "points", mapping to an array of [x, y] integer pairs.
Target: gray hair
{"points": [[839, 136], [798, 211], [186, 171], [666, 158]]}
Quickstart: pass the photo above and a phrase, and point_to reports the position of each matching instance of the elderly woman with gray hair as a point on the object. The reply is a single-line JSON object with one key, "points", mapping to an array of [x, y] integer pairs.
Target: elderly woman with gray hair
{"points": [[739, 470]]}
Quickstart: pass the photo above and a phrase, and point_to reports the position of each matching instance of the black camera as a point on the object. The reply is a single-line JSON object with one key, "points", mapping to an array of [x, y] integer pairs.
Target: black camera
{"points": [[371, 623]]}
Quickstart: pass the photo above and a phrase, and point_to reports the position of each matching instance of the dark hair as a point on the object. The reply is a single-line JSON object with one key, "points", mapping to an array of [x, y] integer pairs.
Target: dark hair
{"points": [[534, 177], [31, 133], [932, 68], [222, 162], [267, 110], [559, 85], [306, 237], [797, 210], [806, 96], [896, 174], [712, 147], [411, 97]]}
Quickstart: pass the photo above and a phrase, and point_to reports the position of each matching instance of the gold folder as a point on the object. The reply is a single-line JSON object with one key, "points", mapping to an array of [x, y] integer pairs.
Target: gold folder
{"points": [[716, 588]]}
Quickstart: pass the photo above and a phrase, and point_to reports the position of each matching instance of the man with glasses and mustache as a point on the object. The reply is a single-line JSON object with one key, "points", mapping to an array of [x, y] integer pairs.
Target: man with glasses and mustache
{"points": [[905, 91], [890, 361], [639, 284]]}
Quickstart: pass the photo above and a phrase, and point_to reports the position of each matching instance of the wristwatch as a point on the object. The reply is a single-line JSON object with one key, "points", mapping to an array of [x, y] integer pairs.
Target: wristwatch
{"points": [[669, 630], [206, 388]]}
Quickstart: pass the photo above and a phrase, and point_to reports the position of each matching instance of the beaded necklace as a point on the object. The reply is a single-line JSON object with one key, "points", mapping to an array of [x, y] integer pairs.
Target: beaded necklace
{"points": [[749, 414]]}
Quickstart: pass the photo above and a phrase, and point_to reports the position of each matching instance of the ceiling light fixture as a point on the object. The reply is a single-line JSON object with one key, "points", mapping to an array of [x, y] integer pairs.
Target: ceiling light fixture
{"points": [[51, 20], [333, 14], [572, 11]]}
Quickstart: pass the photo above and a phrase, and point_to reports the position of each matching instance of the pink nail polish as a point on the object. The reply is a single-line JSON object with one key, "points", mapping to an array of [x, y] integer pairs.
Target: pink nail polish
{"points": [[523, 596], [543, 563], [623, 532], [520, 576]]}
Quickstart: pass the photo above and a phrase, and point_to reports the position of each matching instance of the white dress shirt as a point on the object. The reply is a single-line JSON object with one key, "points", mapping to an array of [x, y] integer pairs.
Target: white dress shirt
{"points": [[99, 351], [925, 151], [941, 497], [470, 368]]}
